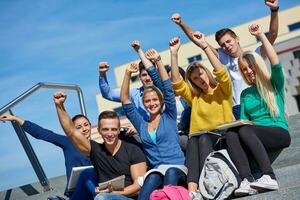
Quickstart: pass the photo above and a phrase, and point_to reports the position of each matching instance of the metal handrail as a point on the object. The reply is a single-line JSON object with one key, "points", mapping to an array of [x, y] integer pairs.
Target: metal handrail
{"points": [[36, 87], [21, 134]]}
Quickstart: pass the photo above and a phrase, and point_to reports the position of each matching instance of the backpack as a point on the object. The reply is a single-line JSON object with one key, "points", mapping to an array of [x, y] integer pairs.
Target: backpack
{"points": [[219, 177], [170, 192]]}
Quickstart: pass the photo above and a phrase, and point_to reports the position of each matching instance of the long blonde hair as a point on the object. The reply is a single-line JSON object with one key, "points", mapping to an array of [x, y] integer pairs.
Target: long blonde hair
{"points": [[263, 80], [194, 88]]}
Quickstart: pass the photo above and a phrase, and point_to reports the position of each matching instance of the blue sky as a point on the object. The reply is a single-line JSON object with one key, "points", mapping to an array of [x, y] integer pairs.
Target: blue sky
{"points": [[62, 41]]}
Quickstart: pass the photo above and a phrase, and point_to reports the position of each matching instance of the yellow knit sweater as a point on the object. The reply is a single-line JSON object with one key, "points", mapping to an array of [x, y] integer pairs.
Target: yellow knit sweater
{"points": [[211, 109]]}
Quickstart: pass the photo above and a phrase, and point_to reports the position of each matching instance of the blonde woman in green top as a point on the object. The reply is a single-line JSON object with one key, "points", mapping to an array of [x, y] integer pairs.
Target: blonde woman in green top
{"points": [[262, 103]]}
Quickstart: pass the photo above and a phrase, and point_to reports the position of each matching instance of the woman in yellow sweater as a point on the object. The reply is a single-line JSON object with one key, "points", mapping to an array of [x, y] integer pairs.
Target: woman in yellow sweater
{"points": [[211, 103]]}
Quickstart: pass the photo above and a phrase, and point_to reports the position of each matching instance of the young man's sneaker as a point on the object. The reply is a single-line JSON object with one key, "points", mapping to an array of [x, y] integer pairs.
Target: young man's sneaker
{"points": [[244, 189], [265, 183]]}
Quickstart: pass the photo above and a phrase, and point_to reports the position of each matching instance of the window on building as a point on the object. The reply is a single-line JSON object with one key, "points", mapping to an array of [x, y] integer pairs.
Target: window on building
{"points": [[134, 78], [266, 34], [195, 58], [119, 111], [168, 68], [297, 54], [294, 26]]}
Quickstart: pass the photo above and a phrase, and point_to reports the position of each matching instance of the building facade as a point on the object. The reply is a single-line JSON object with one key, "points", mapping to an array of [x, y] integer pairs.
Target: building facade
{"points": [[287, 46]]}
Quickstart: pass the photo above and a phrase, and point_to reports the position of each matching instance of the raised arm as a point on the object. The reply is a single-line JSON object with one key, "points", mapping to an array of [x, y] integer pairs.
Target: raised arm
{"points": [[155, 58], [7, 117], [256, 30], [174, 46], [137, 47], [37, 131], [213, 59], [274, 23], [149, 66], [125, 95], [176, 18], [106, 91], [76, 137]]}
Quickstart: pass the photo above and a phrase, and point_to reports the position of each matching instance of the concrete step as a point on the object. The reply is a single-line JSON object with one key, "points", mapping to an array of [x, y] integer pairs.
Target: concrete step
{"points": [[290, 193], [291, 155], [289, 185]]}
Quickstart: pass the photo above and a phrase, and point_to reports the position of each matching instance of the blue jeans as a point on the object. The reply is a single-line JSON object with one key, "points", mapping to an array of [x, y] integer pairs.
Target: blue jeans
{"points": [[156, 180], [111, 196], [85, 187]]}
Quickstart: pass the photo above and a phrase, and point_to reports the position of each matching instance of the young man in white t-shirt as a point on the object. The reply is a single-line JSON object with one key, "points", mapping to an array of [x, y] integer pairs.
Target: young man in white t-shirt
{"points": [[230, 50]]}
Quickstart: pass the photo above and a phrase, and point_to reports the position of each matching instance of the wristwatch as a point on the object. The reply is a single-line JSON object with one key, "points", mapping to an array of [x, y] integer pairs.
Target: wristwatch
{"points": [[275, 9]]}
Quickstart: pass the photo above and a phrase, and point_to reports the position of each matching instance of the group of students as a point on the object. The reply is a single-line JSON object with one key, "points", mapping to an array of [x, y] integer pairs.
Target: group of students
{"points": [[241, 89]]}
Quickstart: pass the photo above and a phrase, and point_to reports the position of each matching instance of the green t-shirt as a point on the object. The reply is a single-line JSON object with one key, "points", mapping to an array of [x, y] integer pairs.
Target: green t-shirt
{"points": [[254, 108]]}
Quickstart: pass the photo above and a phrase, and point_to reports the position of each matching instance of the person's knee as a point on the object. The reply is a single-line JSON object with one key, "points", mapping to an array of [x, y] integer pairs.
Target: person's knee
{"points": [[204, 140], [173, 176], [171, 172], [231, 135], [153, 178], [101, 196], [245, 132]]}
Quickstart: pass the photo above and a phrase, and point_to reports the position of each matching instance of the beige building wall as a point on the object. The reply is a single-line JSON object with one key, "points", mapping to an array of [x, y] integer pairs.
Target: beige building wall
{"points": [[187, 50]]}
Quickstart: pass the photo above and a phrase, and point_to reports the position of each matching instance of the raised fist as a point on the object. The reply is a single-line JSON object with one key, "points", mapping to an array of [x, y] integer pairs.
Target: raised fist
{"points": [[103, 67], [132, 68], [255, 29], [199, 39], [59, 98], [136, 45], [176, 17], [273, 4], [152, 55], [174, 44]]}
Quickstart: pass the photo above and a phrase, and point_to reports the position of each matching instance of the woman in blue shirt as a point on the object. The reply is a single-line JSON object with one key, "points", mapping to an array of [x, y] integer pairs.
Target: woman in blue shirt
{"points": [[73, 158], [159, 135]]}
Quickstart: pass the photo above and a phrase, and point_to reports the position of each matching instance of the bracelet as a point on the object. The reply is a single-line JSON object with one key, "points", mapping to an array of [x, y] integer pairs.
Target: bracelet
{"points": [[205, 48], [157, 59], [275, 9]]}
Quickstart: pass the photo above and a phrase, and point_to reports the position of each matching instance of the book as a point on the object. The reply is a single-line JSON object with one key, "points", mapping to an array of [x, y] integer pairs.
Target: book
{"points": [[236, 123], [74, 176], [205, 132], [117, 183], [220, 129], [160, 169]]}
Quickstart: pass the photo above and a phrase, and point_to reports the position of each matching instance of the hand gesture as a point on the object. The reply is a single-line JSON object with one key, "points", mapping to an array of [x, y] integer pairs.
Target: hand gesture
{"points": [[131, 131], [174, 45], [109, 189], [132, 68], [152, 55], [136, 45], [176, 17], [103, 67], [273, 4], [59, 98], [7, 117], [255, 29], [199, 39]]}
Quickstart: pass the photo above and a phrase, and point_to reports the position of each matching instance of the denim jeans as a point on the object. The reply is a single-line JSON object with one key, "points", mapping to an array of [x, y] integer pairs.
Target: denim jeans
{"points": [[85, 187], [156, 180], [111, 196]]}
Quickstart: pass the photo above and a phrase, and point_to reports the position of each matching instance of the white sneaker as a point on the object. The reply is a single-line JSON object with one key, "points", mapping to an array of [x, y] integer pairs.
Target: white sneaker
{"points": [[265, 183], [244, 189]]}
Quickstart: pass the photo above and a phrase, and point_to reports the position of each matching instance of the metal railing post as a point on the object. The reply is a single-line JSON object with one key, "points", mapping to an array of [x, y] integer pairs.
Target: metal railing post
{"points": [[31, 155]]}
